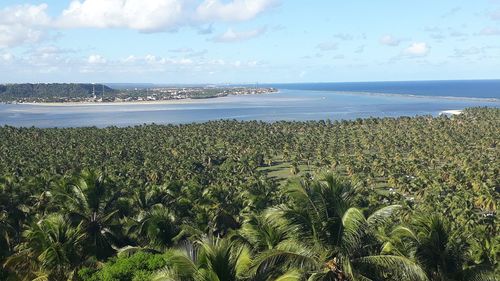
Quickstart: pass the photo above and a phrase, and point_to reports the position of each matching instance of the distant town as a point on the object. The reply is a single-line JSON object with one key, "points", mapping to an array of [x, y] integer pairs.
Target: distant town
{"points": [[96, 93], [177, 93]]}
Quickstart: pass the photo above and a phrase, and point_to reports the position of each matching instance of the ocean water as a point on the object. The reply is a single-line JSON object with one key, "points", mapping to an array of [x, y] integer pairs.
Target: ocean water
{"points": [[293, 102], [456, 88]]}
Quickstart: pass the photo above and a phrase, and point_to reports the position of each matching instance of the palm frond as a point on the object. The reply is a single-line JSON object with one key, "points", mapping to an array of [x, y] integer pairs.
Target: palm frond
{"points": [[288, 255], [401, 267], [292, 275], [381, 216], [354, 228]]}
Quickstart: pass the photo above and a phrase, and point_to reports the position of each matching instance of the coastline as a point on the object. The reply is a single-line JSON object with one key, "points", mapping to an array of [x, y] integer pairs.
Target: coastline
{"points": [[218, 99], [451, 112], [85, 103], [147, 102]]}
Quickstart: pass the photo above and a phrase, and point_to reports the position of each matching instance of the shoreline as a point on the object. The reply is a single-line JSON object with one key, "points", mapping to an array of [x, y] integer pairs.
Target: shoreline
{"points": [[451, 112], [147, 102], [85, 103], [213, 99]]}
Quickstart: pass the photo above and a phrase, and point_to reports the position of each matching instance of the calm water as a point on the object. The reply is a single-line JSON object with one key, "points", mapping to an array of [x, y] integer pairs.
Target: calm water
{"points": [[289, 104], [457, 88]]}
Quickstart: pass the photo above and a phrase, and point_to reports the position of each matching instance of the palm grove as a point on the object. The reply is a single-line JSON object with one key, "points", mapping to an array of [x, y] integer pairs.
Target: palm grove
{"points": [[369, 199]]}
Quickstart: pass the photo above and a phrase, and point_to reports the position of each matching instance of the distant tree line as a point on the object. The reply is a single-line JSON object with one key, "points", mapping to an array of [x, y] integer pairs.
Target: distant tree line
{"points": [[50, 92], [73, 92]]}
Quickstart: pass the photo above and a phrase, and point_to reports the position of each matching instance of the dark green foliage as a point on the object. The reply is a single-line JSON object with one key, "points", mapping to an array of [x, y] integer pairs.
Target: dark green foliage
{"points": [[76, 198], [49, 92], [73, 92]]}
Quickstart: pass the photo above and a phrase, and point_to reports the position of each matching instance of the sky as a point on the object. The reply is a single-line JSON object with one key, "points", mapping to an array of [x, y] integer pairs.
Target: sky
{"points": [[248, 41]]}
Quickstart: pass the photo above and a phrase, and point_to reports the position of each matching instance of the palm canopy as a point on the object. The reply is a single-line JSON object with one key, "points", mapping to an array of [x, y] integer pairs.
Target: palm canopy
{"points": [[334, 241], [51, 250], [442, 253], [157, 227], [216, 259], [316, 208], [263, 231], [90, 201]]}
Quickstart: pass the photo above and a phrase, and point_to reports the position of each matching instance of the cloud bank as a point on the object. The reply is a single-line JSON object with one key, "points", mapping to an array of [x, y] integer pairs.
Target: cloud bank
{"points": [[158, 15], [24, 24]]}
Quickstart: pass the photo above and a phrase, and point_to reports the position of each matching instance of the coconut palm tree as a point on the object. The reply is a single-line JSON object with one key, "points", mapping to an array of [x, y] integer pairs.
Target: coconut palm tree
{"points": [[263, 232], [334, 241], [90, 202], [155, 228], [51, 249], [215, 259], [7, 233], [442, 253]]}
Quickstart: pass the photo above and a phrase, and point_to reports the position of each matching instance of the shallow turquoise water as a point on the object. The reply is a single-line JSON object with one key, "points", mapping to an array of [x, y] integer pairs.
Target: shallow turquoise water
{"points": [[286, 105]]}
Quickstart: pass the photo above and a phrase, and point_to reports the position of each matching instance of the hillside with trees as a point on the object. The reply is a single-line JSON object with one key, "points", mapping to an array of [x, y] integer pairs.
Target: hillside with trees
{"points": [[369, 199], [91, 93], [55, 92]]}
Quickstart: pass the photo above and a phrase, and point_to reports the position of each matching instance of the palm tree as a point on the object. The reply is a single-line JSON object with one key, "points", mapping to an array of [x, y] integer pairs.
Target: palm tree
{"points": [[263, 232], [430, 241], [214, 259], [334, 241], [90, 202], [51, 250], [155, 228], [7, 232]]}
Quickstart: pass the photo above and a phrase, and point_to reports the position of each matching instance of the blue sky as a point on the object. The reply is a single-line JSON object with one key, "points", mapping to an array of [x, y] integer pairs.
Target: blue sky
{"points": [[246, 41]]}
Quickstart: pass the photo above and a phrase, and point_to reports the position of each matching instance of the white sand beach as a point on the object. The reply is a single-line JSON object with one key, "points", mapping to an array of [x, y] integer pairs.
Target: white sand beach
{"points": [[180, 101], [451, 112]]}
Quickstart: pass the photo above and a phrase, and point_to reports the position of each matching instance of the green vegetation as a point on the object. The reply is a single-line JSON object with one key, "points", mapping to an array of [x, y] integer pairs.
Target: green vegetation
{"points": [[50, 92], [369, 199], [20, 93]]}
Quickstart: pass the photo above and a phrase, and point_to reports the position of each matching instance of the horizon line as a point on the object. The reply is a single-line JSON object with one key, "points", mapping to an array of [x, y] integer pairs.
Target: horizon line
{"points": [[254, 83]]}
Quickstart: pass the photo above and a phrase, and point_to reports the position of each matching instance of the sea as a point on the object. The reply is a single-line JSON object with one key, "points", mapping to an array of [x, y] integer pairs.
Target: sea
{"points": [[293, 102]]}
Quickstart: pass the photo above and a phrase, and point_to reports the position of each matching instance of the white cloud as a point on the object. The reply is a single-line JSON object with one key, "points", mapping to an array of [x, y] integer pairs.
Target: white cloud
{"points": [[236, 36], [25, 15], [389, 40], [22, 24], [490, 31], [129, 59], [417, 49], [97, 67], [236, 10], [27, 24], [158, 15], [327, 46], [96, 59], [152, 63], [153, 60], [145, 16], [459, 53], [15, 35], [6, 57]]}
